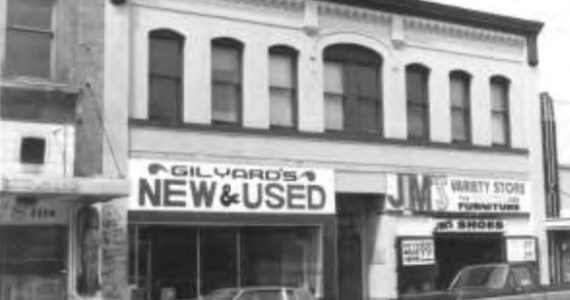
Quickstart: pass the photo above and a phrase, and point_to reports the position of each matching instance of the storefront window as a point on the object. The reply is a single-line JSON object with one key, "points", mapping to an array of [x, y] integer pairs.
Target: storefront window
{"points": [[188, 262], [32, 262]]}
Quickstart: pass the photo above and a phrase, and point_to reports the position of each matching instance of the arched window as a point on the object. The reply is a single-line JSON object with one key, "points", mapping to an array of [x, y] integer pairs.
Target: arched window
{"points": [[417, 99], [283, 86], [165, 75], [460, 99], [227, 81], [500, 110], [353, 89]]}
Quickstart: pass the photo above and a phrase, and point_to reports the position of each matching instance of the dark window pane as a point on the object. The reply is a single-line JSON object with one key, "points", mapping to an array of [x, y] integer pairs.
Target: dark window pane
{"points": [[458, 128], [281, 107], [282, 85], [30, 13], [416, 85], [165, 57], [165, 70], [164, 98], [226, 83], [225, 102], [417, 120], [280, 256], [499, 94], [334, 112], [459, 91], [218, 259], [226, 64], [281, 71], [352, 73], [499, 127], [28, 53], [417, 101], [262, 295], [368, 112], [33, 150], [365, 81]]}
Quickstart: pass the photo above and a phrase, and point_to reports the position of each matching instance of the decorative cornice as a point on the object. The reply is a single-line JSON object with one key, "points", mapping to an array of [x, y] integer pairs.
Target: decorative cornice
{"points": [[464, 32], [286, 5], [354, 13]]}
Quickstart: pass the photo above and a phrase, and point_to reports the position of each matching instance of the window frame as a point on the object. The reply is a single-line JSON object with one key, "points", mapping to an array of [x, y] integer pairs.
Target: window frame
{"points": [[292, 54], [465, 109], [167, 34], [423, 105], [349, 57], [51, 33], [229, 43], [505, 83]]}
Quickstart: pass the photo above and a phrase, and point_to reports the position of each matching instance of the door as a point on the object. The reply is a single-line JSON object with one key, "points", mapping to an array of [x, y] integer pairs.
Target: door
{"points": [[350, 268]]}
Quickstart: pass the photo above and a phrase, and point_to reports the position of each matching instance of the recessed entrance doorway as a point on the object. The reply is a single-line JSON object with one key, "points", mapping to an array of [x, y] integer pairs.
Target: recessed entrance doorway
{"points": [[454, 251]]}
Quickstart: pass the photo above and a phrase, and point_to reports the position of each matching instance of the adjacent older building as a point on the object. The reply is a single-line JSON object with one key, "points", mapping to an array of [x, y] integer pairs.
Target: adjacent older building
{"points": [[51, 139], [360, 150]]}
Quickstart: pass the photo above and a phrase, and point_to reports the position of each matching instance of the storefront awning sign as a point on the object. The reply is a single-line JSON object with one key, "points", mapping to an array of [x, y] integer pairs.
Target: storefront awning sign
{"points": [[469, 225], [449, 194], [225, 188], [417, 252]]}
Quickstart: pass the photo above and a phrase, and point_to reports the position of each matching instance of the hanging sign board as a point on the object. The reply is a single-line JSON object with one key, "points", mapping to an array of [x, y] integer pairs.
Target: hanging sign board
{"points": [[521, 249], [225, 188], [417, 251], [438, 193], [469, 225]]}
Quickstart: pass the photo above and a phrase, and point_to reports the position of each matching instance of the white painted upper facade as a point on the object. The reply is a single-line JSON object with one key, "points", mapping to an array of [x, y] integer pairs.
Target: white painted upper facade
{"points": [[399, 40]]}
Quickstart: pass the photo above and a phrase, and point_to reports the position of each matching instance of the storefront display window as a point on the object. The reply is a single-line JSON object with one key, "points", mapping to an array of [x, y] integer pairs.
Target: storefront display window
{"points": [[33, 262], [187, 262]]}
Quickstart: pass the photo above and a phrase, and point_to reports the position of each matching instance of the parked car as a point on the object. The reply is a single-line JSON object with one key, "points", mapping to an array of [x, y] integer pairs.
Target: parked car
{"points": [[260, 293], [508, 281]]}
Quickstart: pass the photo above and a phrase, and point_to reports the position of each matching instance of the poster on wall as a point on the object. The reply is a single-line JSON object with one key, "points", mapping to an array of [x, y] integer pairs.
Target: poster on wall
{"points": [[521, 249], [225, 188], [417, 252], [437, 193]]}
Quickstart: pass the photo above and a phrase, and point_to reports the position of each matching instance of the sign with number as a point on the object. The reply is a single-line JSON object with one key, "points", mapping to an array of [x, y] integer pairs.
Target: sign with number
{"points": [[521, 249], [417, 252]]}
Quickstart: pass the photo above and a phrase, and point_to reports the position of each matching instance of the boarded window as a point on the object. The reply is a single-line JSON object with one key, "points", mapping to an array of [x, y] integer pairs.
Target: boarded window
{"points": [[352, 89], [29, 38], [500, 111], [459, 90], [226, 81], [165, 75], [33, 150], [417, 102], [282, 87]]}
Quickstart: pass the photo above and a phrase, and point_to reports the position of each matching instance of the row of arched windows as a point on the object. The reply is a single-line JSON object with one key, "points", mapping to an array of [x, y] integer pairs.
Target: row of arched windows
{"points": [[352, 89]]}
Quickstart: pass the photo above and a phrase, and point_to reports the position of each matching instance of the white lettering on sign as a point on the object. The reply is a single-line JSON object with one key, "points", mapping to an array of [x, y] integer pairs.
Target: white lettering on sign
{"points": [[430, 193], [521, 249], [416, 252], [470, 225], [207, 187]]}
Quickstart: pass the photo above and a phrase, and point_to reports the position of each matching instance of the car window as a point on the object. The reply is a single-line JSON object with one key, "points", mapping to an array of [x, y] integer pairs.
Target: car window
{"points": [[224, 294], [262, 295], [511, 283], [291, 295], [523, 276], [485, 276], [303, 294]]}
